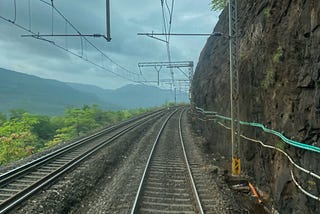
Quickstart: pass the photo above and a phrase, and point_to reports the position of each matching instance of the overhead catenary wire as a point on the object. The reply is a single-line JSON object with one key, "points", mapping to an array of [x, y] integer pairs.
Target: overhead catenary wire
{"points": [[29, 13], [171, 14], [66, 32], [81, 56], [80, 34], [167, 30], [70, 52], [164, 22], [65, 46]]}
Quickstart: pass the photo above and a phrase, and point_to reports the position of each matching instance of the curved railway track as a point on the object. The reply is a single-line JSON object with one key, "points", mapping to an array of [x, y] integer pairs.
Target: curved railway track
{"points": [[167, 184], [19, 184]]}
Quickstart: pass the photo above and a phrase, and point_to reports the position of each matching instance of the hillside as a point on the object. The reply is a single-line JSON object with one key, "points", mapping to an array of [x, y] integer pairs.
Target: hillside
{"points": [[51, 97], [279, 87], [42, 96], [134, 96]]}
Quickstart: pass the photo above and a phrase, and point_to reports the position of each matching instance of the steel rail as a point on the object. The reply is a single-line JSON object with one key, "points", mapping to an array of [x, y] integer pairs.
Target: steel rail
{"points": [[22, 195], [12, 174], [134, 206], [190, 176], [186, 164]]}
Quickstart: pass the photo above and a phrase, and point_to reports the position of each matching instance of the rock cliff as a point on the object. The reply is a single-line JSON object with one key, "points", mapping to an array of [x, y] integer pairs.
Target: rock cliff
{"points": [[279, 68]]}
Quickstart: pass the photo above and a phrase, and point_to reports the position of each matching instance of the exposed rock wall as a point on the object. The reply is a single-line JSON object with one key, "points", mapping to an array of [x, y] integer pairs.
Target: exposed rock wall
{"points": [[279, 65]]}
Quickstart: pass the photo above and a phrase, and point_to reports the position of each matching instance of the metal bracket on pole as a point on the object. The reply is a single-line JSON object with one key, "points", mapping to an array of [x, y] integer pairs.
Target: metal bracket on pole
{"points": [[234, 87], [159, 65], [108, 20]]}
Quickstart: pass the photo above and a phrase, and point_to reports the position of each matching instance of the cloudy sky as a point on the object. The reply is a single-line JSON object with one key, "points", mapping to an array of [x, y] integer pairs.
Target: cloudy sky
{"points": [[40, 58]]}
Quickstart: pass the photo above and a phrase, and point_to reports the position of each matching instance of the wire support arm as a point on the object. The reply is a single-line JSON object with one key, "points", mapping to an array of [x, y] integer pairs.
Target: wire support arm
{"points": [[152, 34], [65, 35]]}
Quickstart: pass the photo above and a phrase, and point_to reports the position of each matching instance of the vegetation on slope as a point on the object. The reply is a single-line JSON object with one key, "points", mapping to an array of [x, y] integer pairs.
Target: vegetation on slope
{"points": [[23, 134], [218, 4]]}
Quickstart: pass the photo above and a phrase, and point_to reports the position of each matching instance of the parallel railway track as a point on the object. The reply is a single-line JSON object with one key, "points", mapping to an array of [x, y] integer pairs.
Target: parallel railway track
{"points": [[167, 184], [19, 184]]}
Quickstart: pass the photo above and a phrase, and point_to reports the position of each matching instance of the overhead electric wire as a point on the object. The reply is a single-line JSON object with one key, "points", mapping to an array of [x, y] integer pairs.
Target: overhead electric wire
{"points": [[171, 13], [167, 30], [95, 47], [66, 32], [63, 48], [164, 20], [83, 55], [29, 10], [182, 72]]}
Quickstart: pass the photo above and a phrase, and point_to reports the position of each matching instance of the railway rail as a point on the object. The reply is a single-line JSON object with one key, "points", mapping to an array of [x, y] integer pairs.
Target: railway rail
{"points": [[167, 184], [20, 183]]}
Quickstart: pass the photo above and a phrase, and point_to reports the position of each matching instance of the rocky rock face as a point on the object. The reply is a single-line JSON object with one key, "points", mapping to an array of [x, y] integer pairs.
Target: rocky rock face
{"points": [[279, 68]]}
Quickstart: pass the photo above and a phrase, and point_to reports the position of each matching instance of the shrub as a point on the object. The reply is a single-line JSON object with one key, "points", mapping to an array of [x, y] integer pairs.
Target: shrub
{"points": [[269, 79]]}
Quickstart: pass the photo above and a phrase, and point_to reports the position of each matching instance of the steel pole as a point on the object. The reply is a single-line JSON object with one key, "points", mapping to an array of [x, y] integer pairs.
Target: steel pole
{"points": [[234, 88]]}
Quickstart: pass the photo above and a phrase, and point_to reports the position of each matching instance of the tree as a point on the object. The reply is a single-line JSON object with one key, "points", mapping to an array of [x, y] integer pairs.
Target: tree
{"points": [[44, 129], [218, 4], [16, 113], [3, 119], [22, 134], [17, 139]]}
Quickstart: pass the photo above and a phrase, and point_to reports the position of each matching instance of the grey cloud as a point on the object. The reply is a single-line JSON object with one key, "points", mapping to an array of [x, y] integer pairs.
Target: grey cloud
{"points": [[126, 48]]}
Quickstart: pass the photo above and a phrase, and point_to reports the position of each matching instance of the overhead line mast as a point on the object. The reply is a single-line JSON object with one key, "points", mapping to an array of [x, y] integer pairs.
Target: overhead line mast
{"points": [[234, 87]]}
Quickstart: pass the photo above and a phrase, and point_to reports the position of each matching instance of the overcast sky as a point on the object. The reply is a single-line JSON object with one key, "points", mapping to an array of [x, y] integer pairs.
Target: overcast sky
{"points": [[128, 17]]}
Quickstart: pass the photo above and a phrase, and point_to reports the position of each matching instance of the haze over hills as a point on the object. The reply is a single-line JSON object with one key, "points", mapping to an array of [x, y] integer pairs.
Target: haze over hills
{"points": [[51, 97], [133, 96]]}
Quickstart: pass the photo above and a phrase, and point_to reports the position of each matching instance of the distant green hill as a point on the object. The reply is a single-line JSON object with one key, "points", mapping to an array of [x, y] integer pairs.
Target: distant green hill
{"points": [[42, 96], [51, 97], [134, 96]]}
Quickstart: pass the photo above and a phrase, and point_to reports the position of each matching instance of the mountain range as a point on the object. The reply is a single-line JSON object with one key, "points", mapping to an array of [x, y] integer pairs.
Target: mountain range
{"points": [[52, 97]]}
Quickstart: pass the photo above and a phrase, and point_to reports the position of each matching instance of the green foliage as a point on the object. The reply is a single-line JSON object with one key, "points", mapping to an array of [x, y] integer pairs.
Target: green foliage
{"points": [[16, 113], [218, 4], [3, 119], [267, 12], [277, 55], [269, 79], [280, 145], [24, 134], [171, 104], [17, 139]]}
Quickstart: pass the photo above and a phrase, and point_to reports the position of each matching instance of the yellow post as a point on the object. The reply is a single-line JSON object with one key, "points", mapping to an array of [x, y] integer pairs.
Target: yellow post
{"points": [[236, 166]]}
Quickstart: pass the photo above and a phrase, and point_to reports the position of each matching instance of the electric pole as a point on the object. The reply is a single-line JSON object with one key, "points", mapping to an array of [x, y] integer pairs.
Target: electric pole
{"points": [[234, 87]]}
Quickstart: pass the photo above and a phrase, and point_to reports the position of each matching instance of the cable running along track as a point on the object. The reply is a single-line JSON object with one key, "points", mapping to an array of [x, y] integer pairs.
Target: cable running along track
{"points": [[167, 184], [20, 183]]}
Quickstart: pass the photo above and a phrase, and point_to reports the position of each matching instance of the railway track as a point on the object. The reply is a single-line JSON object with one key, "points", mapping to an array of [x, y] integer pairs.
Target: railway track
{"points": [[19, 184], [167, 184]]}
